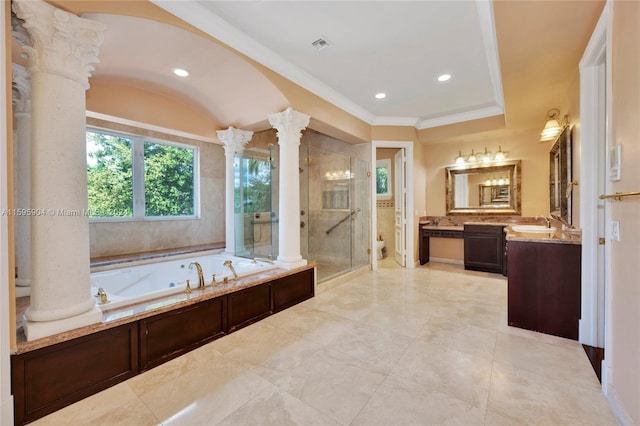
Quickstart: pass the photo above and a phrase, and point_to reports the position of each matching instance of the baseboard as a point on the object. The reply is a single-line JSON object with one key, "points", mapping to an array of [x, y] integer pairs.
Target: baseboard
{"points": [[6, 411], [446, 260], [621, 415]]}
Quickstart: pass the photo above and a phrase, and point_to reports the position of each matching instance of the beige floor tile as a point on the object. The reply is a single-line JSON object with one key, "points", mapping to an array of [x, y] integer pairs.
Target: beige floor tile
{"points": [[334, 384], [424, 346], [537, 399], [277, 408], [206, 395], [91, 409], [437, 368], [401, 402], [566, 362]]}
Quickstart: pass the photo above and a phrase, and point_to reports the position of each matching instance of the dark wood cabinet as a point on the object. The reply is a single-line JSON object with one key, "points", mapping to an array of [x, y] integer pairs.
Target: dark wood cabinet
{"points": [[544, 287], [168, 335], [51, 378], [47, 379], [484, 247], [289, 291], [249, 305]]}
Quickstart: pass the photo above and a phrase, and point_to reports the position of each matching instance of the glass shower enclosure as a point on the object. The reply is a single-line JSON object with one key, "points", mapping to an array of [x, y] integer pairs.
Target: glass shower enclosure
{"points": [[335, 212]]}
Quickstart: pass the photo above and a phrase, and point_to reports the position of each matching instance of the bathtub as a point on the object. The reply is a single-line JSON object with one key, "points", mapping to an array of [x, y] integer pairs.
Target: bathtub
{"points": [[129, 285]]}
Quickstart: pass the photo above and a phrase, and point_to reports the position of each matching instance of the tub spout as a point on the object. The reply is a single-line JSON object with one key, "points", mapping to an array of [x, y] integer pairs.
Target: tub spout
{"points": [[200, 274], [230, 265]]}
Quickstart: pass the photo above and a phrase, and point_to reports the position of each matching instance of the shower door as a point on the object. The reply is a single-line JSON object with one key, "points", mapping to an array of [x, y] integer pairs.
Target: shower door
{"points": [[254, 217]]}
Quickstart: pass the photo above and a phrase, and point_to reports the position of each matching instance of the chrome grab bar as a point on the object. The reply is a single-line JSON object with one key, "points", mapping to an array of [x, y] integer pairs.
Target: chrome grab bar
{"points": [[354, 211]]}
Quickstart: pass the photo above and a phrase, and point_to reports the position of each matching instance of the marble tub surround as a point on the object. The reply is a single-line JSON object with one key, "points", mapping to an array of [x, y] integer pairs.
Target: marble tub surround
{"points": [[428, 345], [138, 258], [126, 314]]}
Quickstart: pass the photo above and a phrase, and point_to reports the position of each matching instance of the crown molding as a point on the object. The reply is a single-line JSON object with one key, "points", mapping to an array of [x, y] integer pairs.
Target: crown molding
{"points": [[210, 23]]}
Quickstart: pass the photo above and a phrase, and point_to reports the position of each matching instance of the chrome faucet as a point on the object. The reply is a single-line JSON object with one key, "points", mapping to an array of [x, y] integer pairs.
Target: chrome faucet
{"points": [[230, 265], [200, 274]]}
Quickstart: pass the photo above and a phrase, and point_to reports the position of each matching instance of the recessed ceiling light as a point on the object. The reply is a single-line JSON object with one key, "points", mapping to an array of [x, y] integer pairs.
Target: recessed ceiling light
{"points": [[381, 95], [444, 77], [180, 72]]}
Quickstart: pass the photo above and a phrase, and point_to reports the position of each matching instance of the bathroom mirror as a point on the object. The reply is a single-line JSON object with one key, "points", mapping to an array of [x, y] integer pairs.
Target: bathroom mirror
{"points": [[560, 183], [492, 189]]}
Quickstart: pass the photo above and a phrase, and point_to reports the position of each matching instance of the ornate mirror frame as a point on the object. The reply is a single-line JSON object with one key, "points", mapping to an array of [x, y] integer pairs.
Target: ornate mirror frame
{"points": [[510, 202]]}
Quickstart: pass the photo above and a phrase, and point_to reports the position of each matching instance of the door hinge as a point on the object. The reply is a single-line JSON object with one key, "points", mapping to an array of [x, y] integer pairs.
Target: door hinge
{"points": [[601, 241]]}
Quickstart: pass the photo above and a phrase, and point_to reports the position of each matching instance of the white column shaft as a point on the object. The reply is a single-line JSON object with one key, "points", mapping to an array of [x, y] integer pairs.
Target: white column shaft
{"points": [[22, 145], [289, 124], [61, 47]]}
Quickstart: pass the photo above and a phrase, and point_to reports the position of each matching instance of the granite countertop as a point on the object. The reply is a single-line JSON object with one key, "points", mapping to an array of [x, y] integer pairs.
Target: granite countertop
{"points": [[569, 236], [126, 314], [561, 236]]}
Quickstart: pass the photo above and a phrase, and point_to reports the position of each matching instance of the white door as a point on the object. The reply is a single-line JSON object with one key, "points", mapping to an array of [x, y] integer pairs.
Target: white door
{"points": [[401, 209]]}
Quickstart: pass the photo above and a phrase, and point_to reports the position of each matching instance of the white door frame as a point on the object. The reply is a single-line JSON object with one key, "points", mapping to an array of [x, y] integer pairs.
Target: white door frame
{"points": [[591, 104], [409, 230], [6, 399]]}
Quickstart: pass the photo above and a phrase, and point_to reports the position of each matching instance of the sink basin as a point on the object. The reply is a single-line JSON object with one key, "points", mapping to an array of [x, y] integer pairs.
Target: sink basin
{"points": [[541, 229]]}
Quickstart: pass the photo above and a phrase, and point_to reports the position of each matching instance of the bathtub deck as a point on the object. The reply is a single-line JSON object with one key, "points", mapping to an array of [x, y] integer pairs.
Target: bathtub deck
{"points": [[126, 314]]}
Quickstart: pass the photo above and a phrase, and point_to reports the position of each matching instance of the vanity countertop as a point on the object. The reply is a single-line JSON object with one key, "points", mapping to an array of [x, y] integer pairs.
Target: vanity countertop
{"points": [[559, 237]]}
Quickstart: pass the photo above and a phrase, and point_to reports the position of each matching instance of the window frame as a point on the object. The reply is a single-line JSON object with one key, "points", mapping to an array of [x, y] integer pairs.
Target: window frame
{"points": [[138, 173], [384, 163]]}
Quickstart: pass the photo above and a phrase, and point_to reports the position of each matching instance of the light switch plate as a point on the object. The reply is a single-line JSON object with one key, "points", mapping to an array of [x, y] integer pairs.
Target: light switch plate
{"points": [[615, 231]]}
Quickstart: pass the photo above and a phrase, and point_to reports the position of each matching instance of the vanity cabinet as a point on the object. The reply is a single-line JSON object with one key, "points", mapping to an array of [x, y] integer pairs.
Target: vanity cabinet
{"points": [[484, 247], [425, 234], [544, 287]]}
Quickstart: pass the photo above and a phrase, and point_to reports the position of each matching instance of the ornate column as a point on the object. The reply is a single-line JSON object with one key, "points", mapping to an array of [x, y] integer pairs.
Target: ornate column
{"points": [[234, 141], [289, 125], [22, 174], [62, 46]]}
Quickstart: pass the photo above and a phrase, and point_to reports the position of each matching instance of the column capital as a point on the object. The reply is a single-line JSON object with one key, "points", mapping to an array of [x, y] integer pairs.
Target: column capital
{"points": [[234, 139], [289, 124], [59, 42], [21, 89]]}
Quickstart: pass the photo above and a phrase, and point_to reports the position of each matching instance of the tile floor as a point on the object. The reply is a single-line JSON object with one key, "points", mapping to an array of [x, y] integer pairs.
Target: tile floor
{"points": [[424, 346]]}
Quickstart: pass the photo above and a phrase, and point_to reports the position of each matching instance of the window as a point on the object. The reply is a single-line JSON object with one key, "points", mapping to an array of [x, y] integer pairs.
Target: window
{"points": [[383, 179], [137, 178]]}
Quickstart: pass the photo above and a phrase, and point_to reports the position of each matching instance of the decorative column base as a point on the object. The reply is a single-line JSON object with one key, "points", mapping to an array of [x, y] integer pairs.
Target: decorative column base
{"points": [[23, 287], [38, 329], [284, 264]]}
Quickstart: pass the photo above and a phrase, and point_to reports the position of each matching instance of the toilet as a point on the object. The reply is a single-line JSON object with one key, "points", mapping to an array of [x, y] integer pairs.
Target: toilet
{"points": [[380, 246]]}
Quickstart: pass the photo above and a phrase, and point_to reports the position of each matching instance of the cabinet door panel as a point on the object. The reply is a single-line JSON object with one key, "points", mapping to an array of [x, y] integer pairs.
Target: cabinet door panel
{"points": [[293, 289], [522, 285], [559, 290], [168, 335], [249, 305]]}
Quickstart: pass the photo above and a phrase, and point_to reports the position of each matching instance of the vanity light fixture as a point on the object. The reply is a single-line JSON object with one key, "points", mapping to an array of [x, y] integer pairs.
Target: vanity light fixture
{"points": [[472, 158], [553, 126], [486, 156], [500, 155], [180, 72]]}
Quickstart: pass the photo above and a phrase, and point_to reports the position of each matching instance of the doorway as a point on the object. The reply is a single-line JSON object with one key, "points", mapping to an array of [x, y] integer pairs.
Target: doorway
{"points": [[595, 87], [392, 219]]}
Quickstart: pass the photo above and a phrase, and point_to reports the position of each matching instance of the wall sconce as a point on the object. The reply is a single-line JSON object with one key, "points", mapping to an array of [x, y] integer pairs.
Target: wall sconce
{"points": [[553, 126], [460, 159]]}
